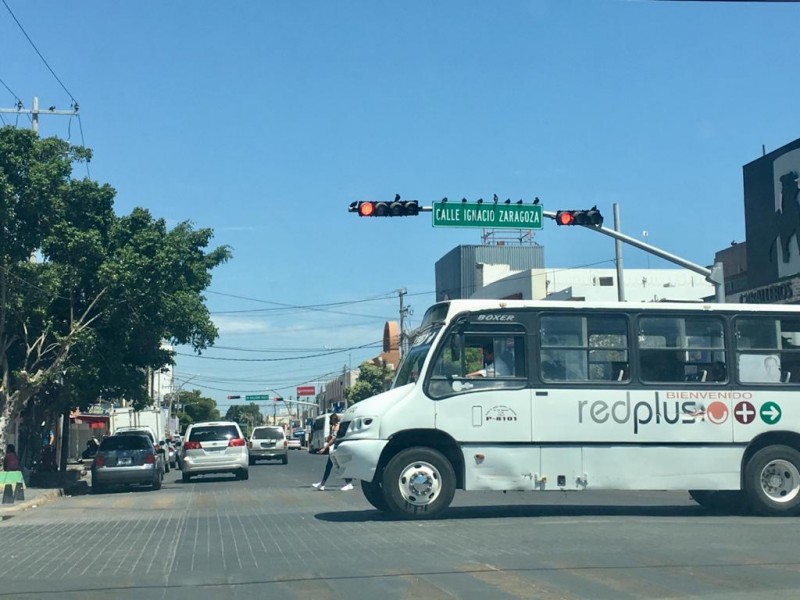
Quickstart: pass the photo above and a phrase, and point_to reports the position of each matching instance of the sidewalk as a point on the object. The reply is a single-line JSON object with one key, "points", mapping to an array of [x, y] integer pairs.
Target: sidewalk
{"points": [[44, 487]]}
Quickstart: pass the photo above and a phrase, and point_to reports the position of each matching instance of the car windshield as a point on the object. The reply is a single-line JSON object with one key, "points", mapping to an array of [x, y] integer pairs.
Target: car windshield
{"points": [[411, 366], [267, 433], [213, 433]]}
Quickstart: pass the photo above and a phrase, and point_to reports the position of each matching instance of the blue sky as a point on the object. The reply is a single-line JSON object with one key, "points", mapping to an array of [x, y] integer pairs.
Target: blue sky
{"points": [[264, 120]]}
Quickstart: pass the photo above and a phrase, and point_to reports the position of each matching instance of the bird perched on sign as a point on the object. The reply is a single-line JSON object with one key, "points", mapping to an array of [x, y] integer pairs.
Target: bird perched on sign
{"points": [[495, 198], [536, 200]]}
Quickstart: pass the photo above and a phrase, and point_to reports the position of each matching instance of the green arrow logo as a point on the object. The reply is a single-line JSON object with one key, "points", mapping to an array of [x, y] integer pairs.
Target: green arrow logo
{"points": [[770, 413]]}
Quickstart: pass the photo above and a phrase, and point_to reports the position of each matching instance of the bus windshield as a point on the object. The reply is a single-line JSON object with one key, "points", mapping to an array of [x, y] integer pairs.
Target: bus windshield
{"points": [[411, 365]]}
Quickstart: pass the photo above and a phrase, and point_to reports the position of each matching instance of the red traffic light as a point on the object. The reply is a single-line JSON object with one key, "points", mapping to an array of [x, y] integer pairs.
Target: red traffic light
{"points": [[398, 208], [564, 217], [233, 397], [579, 217]]}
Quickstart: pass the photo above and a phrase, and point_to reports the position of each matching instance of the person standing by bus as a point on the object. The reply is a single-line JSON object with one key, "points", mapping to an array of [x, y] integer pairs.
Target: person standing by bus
{"points": [[348, 483]]}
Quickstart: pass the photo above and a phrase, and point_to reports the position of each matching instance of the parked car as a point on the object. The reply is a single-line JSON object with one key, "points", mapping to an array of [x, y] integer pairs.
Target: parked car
{"points": [[146, 431], [214, 447], [268, 443], [126, 460], [300, 434], [169, 453]]}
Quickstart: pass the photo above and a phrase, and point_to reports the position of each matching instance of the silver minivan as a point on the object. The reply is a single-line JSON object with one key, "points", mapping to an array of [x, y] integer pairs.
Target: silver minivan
{"points": [[214, 447], [268, 443]]}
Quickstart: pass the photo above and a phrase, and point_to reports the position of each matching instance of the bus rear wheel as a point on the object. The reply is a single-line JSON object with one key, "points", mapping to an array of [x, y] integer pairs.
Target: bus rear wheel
{"points": [[373, 492], [418, 483], [772, 481]]}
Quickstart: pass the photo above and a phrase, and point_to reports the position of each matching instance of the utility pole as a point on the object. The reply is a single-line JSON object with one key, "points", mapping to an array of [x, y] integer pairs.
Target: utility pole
{"points": [[403, 313], [34, 112]]}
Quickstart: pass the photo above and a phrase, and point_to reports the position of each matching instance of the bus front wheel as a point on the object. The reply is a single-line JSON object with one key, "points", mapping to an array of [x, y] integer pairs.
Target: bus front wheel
{"points": [[373, 492], [418, 483], [772, 481]]}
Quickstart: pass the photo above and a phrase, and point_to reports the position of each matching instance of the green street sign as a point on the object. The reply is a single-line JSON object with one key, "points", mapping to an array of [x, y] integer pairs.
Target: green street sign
{"points": [[487, 214], [257, 397], [770, 413]]}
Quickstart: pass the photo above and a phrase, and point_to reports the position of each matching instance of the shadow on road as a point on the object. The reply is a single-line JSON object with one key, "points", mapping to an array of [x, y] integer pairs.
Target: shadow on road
{"points": [[516, 511]]}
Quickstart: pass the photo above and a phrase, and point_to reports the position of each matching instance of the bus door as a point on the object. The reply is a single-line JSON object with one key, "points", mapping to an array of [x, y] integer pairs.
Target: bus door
{"points": [[479, 383]]}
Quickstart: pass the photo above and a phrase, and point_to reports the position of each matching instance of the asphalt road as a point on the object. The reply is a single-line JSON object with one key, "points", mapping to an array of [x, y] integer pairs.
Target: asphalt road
{"points": [[273, 536]]}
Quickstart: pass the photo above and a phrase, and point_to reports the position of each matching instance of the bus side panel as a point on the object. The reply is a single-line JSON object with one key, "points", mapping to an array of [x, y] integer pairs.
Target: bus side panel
{"points": [[663, 467], [501, 466]]}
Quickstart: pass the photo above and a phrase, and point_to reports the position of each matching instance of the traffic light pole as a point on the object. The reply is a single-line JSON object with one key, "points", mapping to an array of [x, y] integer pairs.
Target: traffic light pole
{"points": [[715, 275]]}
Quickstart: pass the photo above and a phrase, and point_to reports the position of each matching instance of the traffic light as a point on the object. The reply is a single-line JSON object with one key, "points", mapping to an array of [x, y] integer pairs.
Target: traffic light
{"points": [[579, 217], [233, 397], [398, 208]]}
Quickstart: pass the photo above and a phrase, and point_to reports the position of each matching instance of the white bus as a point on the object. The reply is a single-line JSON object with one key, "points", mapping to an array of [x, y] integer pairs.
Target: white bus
{"points": [[320, 430], [623, 396]]}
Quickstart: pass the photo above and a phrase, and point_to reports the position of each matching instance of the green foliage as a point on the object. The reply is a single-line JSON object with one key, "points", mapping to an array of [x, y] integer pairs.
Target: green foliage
{"points": [[247, 415], [90, 314], [372, 380], [195, 408]]}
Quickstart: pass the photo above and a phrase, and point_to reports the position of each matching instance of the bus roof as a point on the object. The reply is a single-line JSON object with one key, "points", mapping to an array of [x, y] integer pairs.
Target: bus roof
{"points": [[454, 307]]}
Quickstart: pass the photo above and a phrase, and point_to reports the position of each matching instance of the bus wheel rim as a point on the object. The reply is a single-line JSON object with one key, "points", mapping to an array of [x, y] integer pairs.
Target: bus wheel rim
{"points": [[780, 481], [420, 483]]}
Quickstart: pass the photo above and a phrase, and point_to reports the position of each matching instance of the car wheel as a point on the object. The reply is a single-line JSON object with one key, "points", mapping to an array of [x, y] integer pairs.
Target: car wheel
{"points": [[173, 465], [285, 460], [418, 483], [166, 467], [373, 492], [185, 477], [243, 474], [772, 481], [98, 488], [157, 483], [251, 461]]}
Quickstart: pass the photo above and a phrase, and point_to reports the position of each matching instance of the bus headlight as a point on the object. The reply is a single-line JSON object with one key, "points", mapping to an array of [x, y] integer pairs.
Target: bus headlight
{"points": [[360, 424]]}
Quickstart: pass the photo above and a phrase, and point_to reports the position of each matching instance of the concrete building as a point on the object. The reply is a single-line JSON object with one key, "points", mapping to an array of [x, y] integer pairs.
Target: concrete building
{"points": [[649, 285], [456, 275]]}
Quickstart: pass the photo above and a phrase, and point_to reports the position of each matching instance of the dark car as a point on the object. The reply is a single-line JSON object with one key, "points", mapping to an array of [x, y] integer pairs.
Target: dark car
{"points": [[126, 460]]}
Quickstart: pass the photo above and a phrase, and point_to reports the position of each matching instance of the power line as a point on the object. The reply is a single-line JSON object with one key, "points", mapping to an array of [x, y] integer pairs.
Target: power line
{"points": [[49, 68], [370, 345]]}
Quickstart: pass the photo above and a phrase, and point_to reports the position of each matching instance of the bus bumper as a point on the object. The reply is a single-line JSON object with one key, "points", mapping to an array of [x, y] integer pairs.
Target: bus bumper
{"points": [[357, 459]]}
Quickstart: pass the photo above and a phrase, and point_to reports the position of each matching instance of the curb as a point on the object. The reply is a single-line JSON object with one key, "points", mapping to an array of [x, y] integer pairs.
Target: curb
{"points": [[32, 502]]}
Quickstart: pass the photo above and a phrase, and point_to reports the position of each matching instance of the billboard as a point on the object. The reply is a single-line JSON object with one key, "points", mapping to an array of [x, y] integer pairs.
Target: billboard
{"points": [[772, 215]]}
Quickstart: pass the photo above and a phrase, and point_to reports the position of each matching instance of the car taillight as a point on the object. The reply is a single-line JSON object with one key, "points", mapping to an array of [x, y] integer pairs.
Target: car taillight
{"points": [[285, 443], [99, 460], [192, 446], [236, 442], [149, 458]]}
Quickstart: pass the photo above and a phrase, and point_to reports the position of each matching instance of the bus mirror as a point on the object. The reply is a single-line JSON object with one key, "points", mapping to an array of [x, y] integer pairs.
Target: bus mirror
{"points": [[455, 348]]}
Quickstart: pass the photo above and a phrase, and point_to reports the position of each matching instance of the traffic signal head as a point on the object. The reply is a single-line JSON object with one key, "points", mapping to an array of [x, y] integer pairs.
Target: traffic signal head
{"points": [[233, 397], [579, 217], [398, 208]]}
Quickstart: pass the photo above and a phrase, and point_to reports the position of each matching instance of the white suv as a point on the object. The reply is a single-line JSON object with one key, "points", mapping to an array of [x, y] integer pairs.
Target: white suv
{"points": [[214, 447]]}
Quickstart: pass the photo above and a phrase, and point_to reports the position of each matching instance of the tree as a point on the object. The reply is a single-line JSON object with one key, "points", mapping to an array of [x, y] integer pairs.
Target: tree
{"points": [[372, 380], [89, 315], [195, 408], [248, 414]]}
